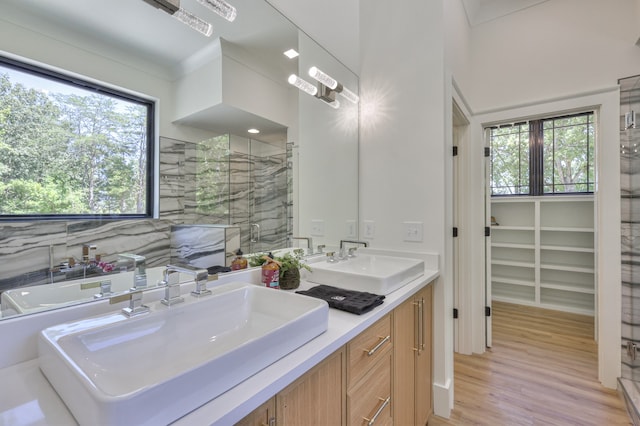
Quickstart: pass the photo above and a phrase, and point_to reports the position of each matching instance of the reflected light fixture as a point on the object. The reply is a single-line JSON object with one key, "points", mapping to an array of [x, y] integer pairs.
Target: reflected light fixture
{"points": [[172, 7], [333, 84], [253, 131], [220, 7], [303, 85], [291, 53]]}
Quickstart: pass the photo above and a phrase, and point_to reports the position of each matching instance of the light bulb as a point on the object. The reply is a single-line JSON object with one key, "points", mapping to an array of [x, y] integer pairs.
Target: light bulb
{"points": [[303, 85], [220, 7], [349, 95], [194, 22], [323, 78]]}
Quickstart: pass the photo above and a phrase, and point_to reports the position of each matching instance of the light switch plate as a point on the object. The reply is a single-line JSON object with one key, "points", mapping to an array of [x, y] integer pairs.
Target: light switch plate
{"points": [[351, 229], [413, 231], [369, 229], [317, 228]]}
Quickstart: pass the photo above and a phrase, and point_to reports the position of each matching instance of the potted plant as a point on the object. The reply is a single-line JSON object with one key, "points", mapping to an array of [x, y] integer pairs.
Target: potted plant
{"points": [[290, 265]]}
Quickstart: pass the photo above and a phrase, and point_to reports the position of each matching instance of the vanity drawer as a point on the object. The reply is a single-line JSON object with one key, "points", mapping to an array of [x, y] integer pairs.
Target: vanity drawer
{"points": [[367, 348], [370, 399]]}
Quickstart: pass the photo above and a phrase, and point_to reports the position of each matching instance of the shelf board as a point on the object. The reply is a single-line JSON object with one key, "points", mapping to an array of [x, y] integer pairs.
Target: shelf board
{"points": [[568, 248], [565, 229], [513, 245], [511, 228], [568, 288], [567, 308], [512, 263], [567, 268], [512, 281], [515, 300]]}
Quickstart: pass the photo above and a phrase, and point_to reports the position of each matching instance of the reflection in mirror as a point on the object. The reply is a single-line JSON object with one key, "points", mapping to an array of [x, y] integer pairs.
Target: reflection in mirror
{"points": [[296, 177]]}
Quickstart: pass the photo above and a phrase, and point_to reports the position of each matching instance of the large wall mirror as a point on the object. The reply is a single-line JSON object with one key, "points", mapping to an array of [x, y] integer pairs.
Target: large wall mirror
{"points": [[297, 177]]}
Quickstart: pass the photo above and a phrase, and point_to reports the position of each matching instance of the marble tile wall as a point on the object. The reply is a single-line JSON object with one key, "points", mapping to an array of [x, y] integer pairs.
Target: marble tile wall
{"points": [[28, 248], [630, 225]]}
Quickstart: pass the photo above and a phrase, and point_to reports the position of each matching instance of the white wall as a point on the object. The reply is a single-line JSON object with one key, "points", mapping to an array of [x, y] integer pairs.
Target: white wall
{"points": [[402, 142], [458, 44], [552, 50]]}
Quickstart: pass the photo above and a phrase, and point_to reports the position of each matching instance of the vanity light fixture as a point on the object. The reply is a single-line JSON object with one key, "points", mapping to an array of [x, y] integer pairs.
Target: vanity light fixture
{"points": [[322, 92], [303, 85], [333, 84], [220, 7], [253, 131], [172, 7], [291, 53]]}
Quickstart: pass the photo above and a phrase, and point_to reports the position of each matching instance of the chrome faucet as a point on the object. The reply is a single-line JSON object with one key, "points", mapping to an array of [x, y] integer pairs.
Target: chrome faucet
{"points": [[139, 268], [351, 250], [135, 304], [309, 241], [105, 289], [201, 277], [172, 288], [342, 242]]}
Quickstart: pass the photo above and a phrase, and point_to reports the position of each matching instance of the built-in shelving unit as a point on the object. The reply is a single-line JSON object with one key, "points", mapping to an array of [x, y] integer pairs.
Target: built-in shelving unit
{"points": [[542, 252]]}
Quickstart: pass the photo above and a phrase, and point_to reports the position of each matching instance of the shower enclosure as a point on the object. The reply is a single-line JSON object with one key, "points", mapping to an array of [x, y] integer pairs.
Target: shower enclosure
{"points": [[246, 182], [630, 233]]}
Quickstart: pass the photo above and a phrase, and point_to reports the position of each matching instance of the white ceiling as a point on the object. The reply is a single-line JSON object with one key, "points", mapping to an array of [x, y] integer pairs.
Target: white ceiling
{"points": [[480, 11], [133, 31]]}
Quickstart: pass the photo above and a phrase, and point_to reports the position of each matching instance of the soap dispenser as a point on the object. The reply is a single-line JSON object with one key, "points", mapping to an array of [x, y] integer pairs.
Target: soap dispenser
{"points": [[239, 262], [270, 272]]}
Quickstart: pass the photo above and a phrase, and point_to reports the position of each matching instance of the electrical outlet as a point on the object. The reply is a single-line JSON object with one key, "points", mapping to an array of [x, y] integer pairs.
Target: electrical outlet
{"points": [[317, 228], [413, 231], [369, 229], [351, 229]]}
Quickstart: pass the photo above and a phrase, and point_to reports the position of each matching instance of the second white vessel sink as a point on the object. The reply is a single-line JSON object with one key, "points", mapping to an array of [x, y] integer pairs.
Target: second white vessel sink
{"points": [[155, 368], [371, 273]]}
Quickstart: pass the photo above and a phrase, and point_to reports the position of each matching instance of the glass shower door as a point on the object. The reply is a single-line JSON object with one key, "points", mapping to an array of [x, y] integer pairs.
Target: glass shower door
{"points": [[268, 196]]}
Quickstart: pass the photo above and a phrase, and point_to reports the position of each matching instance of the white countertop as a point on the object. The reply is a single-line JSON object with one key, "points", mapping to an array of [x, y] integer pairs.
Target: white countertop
{"points": [[27, 398]]}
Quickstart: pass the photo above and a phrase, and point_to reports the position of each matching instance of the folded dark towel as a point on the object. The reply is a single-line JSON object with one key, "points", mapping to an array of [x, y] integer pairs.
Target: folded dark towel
{"points": [[356, 302], [212, 270]]}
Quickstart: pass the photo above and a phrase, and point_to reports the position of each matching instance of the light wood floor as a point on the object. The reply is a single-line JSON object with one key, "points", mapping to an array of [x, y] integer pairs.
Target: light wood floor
{"points": [[541, 370]]}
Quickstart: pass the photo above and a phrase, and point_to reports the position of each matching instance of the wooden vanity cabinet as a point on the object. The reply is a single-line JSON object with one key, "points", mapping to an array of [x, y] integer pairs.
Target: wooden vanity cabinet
{"points": [[369, 375], [317, 398], [264, 415], [412, 371], [383, 374]]}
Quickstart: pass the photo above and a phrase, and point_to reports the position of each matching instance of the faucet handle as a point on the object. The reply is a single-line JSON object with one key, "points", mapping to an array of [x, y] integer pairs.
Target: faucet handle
{"points": [[321, 248], [352, 252], [171, 290], [135, 304]]}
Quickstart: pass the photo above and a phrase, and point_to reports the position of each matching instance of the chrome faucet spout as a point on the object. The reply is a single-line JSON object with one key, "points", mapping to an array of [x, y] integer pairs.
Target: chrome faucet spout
{"points": [[309, 241], [200, 276], [139, 268], [342, 243]]}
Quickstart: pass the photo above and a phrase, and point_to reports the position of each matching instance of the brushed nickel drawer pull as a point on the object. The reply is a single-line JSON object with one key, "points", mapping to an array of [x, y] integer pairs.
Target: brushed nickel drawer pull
{"points": [[378, 346], [372, 420]]}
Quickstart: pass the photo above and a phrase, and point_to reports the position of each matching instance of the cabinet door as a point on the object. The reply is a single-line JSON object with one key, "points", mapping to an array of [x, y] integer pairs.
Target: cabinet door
{"points": [[423, 376], [265, 415], [404, 334], [317, 398]]}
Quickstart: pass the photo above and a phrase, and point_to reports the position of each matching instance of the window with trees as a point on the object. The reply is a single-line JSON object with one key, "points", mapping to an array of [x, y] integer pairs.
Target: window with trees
{"points": [[546, 156], [71, 148]]}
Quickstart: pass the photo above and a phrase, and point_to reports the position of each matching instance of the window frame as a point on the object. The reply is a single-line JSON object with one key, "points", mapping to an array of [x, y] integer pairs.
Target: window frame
{"points": [[102, 89], [536, 155]]}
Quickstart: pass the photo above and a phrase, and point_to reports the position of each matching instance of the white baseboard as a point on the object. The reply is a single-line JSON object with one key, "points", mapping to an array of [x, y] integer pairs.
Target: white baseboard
{"points": [[443, 399]]}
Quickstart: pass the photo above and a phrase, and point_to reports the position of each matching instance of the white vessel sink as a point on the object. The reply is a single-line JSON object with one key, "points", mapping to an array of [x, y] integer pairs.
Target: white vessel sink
{"points": [[367, 272], [155, 368]]}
